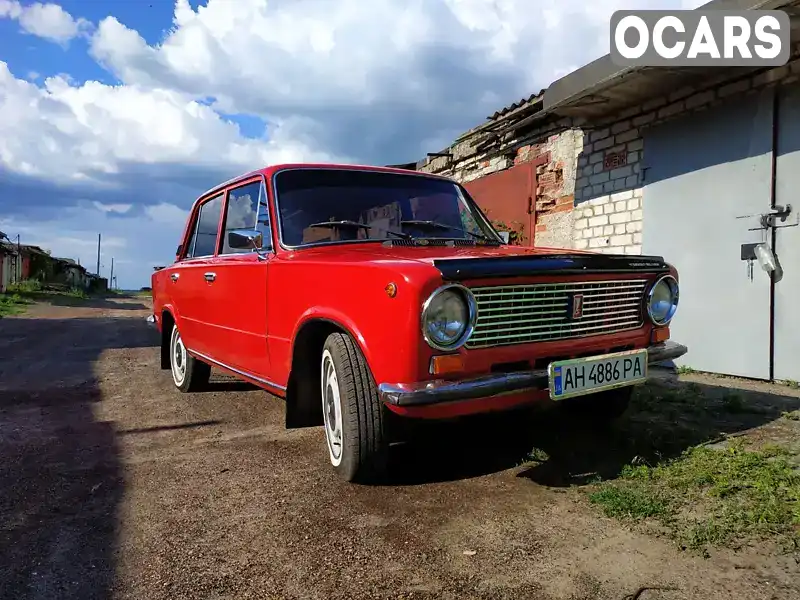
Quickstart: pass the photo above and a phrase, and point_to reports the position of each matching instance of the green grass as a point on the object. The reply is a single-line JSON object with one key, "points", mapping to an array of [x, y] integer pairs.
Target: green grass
{"points": [[12, 304], [793, 415], [33, 289], [685, 370], [26, 287], [711, 496]]}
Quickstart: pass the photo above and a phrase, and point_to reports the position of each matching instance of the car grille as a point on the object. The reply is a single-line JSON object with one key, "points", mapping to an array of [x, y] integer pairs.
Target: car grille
{"points": [[541, 312]]}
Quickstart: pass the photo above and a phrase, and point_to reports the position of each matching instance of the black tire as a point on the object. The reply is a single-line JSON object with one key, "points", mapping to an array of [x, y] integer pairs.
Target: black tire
{"points": [[362, 443], [188, 373], [602, 406]]}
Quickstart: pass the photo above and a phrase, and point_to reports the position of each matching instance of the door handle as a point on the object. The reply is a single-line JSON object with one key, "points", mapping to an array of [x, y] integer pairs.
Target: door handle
{"points": [[210, 276], [174, 276]]}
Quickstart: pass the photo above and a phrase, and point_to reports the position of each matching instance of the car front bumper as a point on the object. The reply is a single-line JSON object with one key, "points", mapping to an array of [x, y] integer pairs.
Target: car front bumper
{"points": [[441, 391]]}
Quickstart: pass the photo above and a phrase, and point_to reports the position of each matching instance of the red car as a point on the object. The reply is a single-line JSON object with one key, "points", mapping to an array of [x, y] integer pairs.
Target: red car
{"points": [[358, 293]]}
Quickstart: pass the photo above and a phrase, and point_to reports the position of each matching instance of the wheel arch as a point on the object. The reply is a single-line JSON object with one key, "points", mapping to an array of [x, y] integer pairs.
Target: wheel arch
{"points": [[303, 391], [167, 322]]}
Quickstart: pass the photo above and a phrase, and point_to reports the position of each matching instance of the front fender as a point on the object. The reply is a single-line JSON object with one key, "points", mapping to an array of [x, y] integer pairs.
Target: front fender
{"points": [[338, 318]]}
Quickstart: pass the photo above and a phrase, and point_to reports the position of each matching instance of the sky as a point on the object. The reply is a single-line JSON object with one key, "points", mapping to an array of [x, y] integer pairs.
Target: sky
{"points": [[116, 116]]}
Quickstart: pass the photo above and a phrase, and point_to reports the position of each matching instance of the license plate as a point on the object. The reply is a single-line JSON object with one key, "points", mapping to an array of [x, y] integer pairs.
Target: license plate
{"points": [[580, 376]]}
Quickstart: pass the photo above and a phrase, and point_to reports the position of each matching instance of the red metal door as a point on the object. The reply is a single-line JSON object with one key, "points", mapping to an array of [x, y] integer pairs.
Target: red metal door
{"points": [[508, 197]]}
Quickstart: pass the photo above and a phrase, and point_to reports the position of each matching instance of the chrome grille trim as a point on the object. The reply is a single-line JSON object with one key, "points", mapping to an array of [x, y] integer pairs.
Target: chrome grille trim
{"points": [[538, 312]]}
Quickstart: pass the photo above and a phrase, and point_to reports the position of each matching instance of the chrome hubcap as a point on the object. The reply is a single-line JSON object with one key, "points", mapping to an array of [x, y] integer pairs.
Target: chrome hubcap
{"points": [[332, 408], [178, 356]]}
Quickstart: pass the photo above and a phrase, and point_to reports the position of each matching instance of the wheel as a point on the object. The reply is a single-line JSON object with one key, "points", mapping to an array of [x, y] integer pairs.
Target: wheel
{"points": [[188, 373], [602, 406], [352, 412]]}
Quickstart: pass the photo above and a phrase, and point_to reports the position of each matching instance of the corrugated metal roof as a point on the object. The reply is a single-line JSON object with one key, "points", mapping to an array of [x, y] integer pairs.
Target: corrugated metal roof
{"points": [[519, 104]]}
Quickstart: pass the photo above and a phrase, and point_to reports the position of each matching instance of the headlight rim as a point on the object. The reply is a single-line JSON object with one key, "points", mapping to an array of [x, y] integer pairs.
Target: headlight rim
{"points": [[673, 282], [472, 316]]}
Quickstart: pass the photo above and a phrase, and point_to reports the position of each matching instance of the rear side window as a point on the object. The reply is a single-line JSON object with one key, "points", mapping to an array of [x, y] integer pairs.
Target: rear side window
{"points": [[204, 237], [247, 209]]}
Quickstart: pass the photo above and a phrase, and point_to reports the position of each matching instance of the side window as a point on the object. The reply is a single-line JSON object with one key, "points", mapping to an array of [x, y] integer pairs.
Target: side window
{"points": [[204, 238], [247, 209]]}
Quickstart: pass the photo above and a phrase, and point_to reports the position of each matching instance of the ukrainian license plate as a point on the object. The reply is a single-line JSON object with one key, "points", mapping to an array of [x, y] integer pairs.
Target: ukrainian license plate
{"points": [[580, 376]]}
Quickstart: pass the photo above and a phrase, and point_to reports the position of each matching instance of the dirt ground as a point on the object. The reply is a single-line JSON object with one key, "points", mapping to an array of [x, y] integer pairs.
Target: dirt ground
{"points": [[114, 485]]}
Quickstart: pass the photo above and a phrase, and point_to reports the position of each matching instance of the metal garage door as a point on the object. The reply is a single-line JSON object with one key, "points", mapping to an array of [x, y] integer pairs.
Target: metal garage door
{"points": [[507, 197], [704, 174], [787, 237]]}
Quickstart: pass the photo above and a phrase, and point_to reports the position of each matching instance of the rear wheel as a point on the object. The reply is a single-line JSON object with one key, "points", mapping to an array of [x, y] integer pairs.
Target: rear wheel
{"points": [[352, 412], [188, 373]]}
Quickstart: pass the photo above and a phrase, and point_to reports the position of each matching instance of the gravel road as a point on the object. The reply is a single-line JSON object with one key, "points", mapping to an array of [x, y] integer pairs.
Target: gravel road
{"points": [[114, 485]]}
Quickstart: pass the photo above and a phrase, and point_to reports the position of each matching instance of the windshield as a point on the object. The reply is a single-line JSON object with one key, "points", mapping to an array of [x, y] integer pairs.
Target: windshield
{"points": [[336, 205]]}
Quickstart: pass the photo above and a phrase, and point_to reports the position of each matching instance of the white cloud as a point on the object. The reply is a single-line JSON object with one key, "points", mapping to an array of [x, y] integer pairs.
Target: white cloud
{"points": [[62, 131], [373, 82], [48, 21]]}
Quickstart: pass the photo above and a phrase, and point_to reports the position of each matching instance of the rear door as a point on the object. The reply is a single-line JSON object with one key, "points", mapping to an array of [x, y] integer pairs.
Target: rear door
{"points": [[187, 283], [237, 294]]}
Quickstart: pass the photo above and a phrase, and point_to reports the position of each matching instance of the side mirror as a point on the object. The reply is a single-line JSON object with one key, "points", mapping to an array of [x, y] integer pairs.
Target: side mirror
{"points": [[245, 239], [250, 239], [505, 236]]}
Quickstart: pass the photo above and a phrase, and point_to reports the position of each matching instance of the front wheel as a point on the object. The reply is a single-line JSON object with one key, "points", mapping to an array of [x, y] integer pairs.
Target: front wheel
{"points": [[188, 373], [352, 412]]}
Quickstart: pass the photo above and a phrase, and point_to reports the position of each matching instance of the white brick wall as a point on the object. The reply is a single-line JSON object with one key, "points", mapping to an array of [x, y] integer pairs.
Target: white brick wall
{"points": [[611, 223], [595, 181]]}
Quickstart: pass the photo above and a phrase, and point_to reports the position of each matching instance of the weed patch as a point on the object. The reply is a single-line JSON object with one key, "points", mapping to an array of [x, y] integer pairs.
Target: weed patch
{"points": [[12, 304], [711, 496]]}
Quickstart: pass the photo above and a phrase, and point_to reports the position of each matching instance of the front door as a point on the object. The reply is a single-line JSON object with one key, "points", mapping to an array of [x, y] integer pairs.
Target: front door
{"points": [[787, 236], [187, 284], [707, 181], [237, 285]]}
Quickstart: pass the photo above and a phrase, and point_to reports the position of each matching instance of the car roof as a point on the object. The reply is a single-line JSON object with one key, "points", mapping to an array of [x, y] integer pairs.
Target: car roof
{"points": [[269, 171]]}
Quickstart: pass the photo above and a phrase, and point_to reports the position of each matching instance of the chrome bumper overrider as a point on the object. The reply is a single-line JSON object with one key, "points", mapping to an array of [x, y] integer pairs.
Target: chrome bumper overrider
{"points": [[439, 391], [151, 320]]}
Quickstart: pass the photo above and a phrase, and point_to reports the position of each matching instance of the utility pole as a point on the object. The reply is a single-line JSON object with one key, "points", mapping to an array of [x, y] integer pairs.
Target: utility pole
{"points": [[111, 278]]}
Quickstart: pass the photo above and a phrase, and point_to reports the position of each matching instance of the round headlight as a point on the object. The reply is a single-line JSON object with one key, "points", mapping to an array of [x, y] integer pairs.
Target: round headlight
{"points": [[448, 317], [662, 301]]}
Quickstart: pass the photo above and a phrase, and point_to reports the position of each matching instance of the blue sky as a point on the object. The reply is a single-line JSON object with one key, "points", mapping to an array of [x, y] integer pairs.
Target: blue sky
{"points": [[116, 115]]}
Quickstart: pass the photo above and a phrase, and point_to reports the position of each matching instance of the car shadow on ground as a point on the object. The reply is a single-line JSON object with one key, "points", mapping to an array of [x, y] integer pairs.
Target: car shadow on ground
{"points": [[560, 446], [60, 471]]}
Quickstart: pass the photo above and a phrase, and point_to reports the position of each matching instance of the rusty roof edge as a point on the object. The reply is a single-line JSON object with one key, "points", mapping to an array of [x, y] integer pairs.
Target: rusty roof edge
{"points": [[501, 116]]}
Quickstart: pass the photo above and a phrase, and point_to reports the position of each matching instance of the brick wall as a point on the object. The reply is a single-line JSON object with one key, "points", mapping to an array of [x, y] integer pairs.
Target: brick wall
{"points": [[555, 192], [555, 179], [610, 223]]}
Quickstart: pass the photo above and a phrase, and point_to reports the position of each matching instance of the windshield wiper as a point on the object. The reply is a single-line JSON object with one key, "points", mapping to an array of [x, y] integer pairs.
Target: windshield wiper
{"points": [[480, 236], [402, 236], [428, 224], [345, 223], [437, 225]]}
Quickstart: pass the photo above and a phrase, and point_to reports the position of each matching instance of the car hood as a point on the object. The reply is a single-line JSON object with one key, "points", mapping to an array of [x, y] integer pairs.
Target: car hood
{"points": [[476, 262]]}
